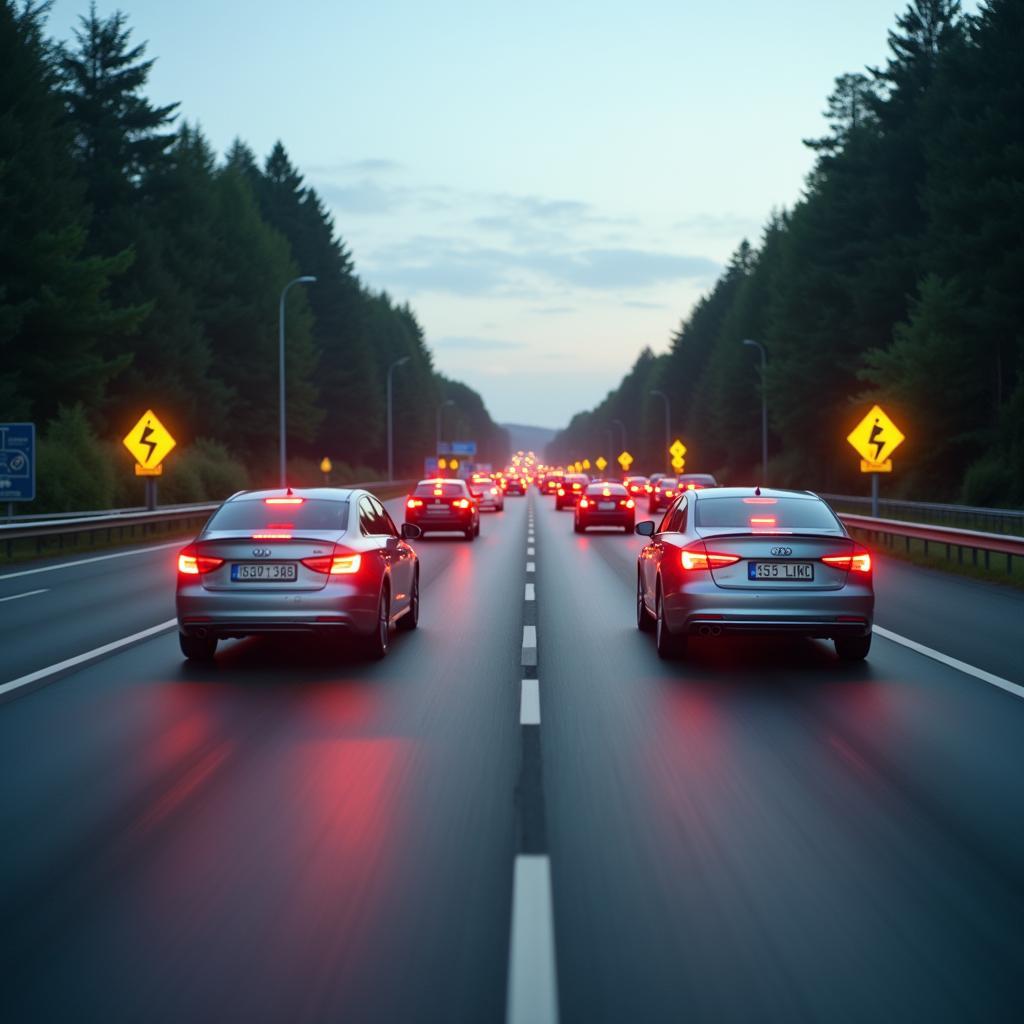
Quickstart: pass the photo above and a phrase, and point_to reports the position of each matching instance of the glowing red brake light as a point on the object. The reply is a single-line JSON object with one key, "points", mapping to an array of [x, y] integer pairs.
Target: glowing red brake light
{"points": [[191, 564], [462, 503], [668, 494], [857, 561], [561, 492], [283, 501], [414, 503], [762, 522], [272, 535], [696, 557], [629, 503], [334, 565], [584, 503]]}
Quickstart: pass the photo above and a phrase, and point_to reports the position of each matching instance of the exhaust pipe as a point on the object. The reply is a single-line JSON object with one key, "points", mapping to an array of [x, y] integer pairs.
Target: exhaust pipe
{"points": [[201, 632], [704, 631], [716, 630]]}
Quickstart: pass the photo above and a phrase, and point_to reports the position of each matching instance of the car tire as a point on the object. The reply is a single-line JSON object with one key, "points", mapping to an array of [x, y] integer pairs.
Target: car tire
{"points": [[476, 531], [197, 648], [577, 527], [379, 641], [411, 619], [644, 622], [852, 648], [471, 533], [669, 645]]}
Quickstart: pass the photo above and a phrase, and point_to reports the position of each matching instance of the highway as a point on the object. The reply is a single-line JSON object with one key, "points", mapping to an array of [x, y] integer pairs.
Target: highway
{"points": [[757, 833]]}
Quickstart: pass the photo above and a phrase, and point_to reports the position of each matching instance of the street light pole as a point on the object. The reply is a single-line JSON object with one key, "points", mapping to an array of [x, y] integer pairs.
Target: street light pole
{"points": [[391, 431], [668, 423], [282, 444], [622, 428], [764, 407], [440, 408]]}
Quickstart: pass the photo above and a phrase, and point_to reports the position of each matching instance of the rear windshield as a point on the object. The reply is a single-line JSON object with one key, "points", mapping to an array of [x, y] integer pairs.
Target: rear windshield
{"points": [[699, 478], [597, 490], [765, 513], [666, 483], [255, 514], [448, 489]]}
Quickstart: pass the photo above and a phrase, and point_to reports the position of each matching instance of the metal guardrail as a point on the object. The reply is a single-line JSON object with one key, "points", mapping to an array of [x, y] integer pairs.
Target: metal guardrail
{"points": [[974, 541], [121, 524], [1002, 520]]}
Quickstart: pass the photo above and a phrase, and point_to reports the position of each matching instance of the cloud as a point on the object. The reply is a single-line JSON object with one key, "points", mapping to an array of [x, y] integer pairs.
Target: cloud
{"points": [[622, 268], [363, 196], [478, 344], [634, 304], [553, 310], [728, 225]]}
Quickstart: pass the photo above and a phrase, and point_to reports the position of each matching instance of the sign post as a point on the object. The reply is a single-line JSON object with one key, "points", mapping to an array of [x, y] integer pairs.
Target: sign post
{"points": [[325, 468], [150, 442], [875, 438], [17, 463]]}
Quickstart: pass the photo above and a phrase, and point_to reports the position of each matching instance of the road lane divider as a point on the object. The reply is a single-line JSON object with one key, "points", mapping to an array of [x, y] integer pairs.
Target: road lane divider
{"points": [[532, 980], [28, 593], [92, 558], [531, 551], [33, 679], [961, 666], [531, 566], [529, 645], [529, 703], [530, 595]]}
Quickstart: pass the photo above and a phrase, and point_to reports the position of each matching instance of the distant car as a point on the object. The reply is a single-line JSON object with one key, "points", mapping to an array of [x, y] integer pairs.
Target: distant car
{"points": [[569, 492], [319, 561], [605, 504], [443, 506], [745, 560], [515, 484], [662, 495], [552, 481], [695, 481], [488, 494], [638, 487]]}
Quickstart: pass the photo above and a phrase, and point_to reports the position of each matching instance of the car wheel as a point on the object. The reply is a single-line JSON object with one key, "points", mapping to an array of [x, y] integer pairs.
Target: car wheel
{"points": [[669, 645], [576, 526], [644, 622], [476, 531], [411, 619], [197, 648], [471, 533], [853, 648], [380, 639]]}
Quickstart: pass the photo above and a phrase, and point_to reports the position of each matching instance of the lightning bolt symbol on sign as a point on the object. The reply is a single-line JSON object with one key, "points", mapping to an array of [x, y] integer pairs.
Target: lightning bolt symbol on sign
{"points": [[144, 439]]}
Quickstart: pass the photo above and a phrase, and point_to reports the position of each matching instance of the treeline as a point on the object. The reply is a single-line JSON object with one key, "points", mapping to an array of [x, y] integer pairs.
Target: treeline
{"points": [[898, 278], [137, 269]]}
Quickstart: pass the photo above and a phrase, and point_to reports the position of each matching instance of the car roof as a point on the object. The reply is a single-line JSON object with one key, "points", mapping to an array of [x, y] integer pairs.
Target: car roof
{"points": [[324, 493], [713, 493]]}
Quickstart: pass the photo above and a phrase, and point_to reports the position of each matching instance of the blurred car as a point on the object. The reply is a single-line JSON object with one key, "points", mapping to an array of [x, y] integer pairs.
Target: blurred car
{"points": [[515, 484], [318, 560], [443, 506], [569, 492], [552, 481], [746, 560], [662, 494], [605, 504], [488, 494], [695, 481], [638, 487]]}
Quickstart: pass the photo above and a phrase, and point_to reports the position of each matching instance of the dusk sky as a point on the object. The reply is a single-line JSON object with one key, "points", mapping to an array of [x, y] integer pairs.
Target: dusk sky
{"points": [[550, 186]]}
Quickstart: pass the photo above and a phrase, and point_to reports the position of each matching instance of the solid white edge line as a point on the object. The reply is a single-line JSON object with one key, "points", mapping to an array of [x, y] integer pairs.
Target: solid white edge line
{"points": [[531, 593], [529, 703], [531, 566], [28, 593], [532, 981], [94, 558], [81, 659], [961, 666]]}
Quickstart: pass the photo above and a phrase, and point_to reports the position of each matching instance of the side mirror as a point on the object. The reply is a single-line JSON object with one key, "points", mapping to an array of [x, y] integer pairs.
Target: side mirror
{"points": [[646, 528], [410, 531]]}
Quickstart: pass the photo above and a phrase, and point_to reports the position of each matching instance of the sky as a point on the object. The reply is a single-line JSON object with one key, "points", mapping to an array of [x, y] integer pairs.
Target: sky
{"points": [[551, 186]]}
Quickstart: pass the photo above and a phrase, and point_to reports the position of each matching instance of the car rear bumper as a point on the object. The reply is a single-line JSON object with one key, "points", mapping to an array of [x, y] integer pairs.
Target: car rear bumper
{"points": [[703, 608], [444, 524], [606, 519], [336, 608]]}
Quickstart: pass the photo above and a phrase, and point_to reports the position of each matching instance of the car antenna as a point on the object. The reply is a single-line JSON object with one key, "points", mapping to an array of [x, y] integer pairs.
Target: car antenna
{"points": [[289, 492], [757, 490]]}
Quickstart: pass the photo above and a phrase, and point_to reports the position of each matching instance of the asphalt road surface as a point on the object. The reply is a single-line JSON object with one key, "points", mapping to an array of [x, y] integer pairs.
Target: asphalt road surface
{"points": [[520, 814]]}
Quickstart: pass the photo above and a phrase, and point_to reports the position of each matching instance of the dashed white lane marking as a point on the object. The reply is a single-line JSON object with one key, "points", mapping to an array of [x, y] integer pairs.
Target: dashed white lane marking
{"points": [[531, 551], [532, 982], [961, 666], [529, 703], [94, 558], [531, 593], [28, 593], [531, 566], [529, 645], [81, 659]]}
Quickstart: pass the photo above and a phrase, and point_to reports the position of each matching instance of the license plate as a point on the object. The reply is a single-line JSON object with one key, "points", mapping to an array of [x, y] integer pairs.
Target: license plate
{"points": [[606, 506], [800, 571], [435, 510], [264, 572]]}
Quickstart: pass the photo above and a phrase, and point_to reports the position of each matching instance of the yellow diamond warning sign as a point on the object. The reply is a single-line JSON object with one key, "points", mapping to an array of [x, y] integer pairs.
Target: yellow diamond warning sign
{"points": [[677, 448], [149, 441], [875, 438]]}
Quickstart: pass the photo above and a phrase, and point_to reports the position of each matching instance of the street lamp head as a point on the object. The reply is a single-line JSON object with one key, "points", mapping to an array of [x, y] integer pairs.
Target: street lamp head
{"points": [[404, 359], [306, 279]]}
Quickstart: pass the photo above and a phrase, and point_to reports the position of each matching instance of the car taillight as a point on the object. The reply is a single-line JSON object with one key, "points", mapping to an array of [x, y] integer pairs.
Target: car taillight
{"points": [[576, 487], [648, 488], [290, 500], [191, 564], [334, 565], [668, 494], [494, 490], [858, 560], [561, 492], [461, 503], [696, 556], [628, 503], [414, 503], [271, 535], [584, 503]]}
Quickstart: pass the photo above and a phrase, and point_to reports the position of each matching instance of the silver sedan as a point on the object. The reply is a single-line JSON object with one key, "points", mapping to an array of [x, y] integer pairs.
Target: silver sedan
{"points": [[747, 560], [318, 560]]}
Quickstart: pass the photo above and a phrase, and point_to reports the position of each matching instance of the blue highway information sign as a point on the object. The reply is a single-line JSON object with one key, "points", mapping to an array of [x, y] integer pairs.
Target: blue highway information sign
{"points": [[17, 462]]}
